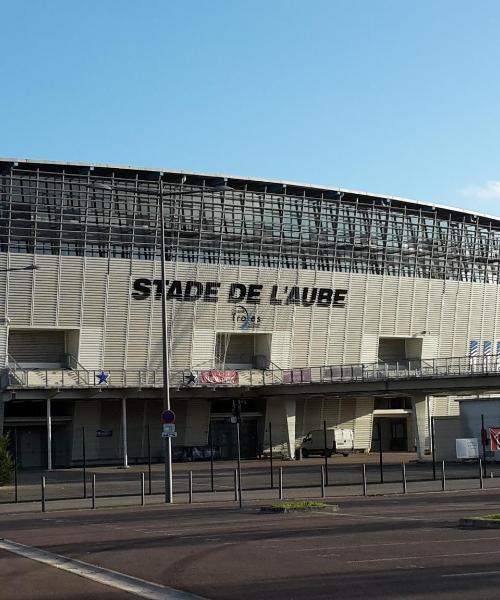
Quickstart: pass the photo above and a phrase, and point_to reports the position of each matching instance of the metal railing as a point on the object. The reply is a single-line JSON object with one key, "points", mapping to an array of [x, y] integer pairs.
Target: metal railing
{"points": [[466, 366]]}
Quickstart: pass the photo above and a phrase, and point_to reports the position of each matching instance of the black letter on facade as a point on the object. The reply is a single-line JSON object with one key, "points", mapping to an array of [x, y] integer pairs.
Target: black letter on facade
{"points": [[142, 289], [325, 297], [293, 296], [253, 296], [274, 293], [175, 291], [310, 302], [339, 298], [198, 287], [237, 292], [211, 291], [157, 283]]}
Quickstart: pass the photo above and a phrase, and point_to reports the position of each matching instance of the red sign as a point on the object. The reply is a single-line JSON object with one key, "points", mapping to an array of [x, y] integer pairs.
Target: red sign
{"points": [[218, 377], [495, 438]]}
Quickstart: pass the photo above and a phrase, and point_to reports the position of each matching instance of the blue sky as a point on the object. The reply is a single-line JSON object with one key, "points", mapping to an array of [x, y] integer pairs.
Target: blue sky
{"points": [[397, 97]]}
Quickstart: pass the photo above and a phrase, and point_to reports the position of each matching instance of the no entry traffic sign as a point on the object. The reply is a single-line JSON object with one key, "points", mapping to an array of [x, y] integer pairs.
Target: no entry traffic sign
{"points": [[168, 416]]}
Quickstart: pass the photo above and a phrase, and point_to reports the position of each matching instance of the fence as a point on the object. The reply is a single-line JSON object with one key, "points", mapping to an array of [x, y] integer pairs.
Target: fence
{"points": [[219, 481], [465, 366]]}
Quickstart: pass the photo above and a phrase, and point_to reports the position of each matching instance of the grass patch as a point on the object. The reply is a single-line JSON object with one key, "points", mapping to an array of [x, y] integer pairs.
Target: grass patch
{"points": [[300, 504], [495, 517]]}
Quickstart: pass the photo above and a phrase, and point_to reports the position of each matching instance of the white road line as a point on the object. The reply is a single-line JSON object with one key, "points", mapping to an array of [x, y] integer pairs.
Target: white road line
{"points": [[478, 574], [425, 556], [120, 581], [386, 517], [405, 543]]}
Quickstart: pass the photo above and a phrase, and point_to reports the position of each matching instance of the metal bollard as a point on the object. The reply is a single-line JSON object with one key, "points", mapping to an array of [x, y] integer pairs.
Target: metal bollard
{"points": [[443, 477], [93, 490], [236, 496], [363, 475], [143, 498], [403, 472], [190, 487], [280, 483], [322, 481], [43, 494], [481, 480]]}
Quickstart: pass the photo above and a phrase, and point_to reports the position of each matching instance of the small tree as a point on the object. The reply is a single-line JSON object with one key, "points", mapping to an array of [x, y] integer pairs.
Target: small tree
{"points": [[6, 462]]}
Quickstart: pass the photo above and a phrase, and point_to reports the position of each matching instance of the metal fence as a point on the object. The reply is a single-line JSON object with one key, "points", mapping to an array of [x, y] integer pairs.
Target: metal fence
{"points": [[464, 366], [216, 480]]}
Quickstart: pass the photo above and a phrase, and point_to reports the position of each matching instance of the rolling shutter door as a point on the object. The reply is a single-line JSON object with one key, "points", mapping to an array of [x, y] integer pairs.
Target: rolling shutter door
{"points": [[37, 347]]}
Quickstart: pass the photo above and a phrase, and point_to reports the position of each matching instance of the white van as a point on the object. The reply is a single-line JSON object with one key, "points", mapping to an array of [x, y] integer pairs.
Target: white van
{"points": [[338, 441]]}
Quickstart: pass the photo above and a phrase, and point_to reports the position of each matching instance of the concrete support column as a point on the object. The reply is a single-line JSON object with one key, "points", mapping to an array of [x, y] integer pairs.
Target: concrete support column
{"points": [[290, 417], [49, 436], [124, 433], [419, 404]]}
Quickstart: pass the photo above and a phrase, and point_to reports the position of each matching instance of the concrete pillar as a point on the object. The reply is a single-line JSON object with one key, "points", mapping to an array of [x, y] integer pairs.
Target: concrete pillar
{"points": [[124, 433], [49, 436], [290, 417], [419, 404]]}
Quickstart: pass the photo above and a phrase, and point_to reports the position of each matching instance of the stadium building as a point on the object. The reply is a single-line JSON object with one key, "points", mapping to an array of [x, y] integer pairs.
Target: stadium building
{"points": [[281, 296]]}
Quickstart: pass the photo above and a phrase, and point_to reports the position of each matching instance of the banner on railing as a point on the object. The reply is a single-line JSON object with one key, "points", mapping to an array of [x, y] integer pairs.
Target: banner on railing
{"points": [[218, 377], [495, 438], [297, 376]]}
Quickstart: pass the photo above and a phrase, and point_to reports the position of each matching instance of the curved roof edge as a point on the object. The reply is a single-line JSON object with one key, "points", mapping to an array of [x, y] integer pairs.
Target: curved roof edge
{"points": [[282, 182]]}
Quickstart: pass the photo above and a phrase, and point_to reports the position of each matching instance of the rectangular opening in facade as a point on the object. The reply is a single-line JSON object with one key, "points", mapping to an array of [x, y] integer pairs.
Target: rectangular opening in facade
{"points": [[243, 350], [392, 350], [42, 348]]}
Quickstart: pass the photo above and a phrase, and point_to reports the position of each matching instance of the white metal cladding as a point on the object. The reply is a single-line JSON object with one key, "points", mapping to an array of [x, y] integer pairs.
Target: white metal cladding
{"points": [[275, 414], [91, 347], [4, 332], [203, 347], [363, 423], [346, 413], [446, 314]]}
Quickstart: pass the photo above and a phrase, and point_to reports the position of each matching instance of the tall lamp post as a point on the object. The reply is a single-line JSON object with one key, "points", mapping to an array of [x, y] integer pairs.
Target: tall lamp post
{"points": [[161, 196]]}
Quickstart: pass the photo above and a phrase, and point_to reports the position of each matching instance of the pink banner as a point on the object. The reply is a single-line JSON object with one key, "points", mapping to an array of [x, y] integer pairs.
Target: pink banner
{"points": [[495, 438], [297, 376], [218, 377]]}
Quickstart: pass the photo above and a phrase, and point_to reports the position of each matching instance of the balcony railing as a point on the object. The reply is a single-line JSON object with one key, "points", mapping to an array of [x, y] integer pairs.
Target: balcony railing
{"points": [[466, 366]]}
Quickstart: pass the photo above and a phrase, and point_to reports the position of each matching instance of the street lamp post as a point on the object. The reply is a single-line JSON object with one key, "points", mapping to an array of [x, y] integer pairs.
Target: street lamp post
{"points": [[160, 195]]}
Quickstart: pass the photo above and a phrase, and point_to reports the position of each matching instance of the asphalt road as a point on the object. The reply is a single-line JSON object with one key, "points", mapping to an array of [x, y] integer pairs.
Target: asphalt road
{"points": [[378, 547]]}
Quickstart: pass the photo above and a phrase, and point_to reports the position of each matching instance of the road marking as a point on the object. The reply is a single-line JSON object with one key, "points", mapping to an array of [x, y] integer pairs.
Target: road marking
{"points": [[369, 560], [120, 581], [405, 543], [478, 574], [386, 517]]}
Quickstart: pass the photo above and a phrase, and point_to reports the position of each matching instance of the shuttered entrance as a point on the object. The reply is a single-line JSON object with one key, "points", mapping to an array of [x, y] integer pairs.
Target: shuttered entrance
{"points": [[391, 350], [37, 347]]}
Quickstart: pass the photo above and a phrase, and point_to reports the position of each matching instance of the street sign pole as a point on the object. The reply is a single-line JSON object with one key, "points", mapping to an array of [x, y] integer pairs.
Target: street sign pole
{"points": [[167, 443], [239, 459], [483, 442]]}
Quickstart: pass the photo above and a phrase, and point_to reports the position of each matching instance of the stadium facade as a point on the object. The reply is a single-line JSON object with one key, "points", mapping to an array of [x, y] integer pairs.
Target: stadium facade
{"points": [[270, 285]]}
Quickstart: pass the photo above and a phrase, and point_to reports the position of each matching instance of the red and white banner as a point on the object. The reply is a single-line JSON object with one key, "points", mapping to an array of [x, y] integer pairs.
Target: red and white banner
{"points": [[495, 438], [218, 377]]}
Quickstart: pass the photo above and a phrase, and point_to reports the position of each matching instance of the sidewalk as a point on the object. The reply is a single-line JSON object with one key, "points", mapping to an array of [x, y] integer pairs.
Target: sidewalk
{"points": [[255, 496]]}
